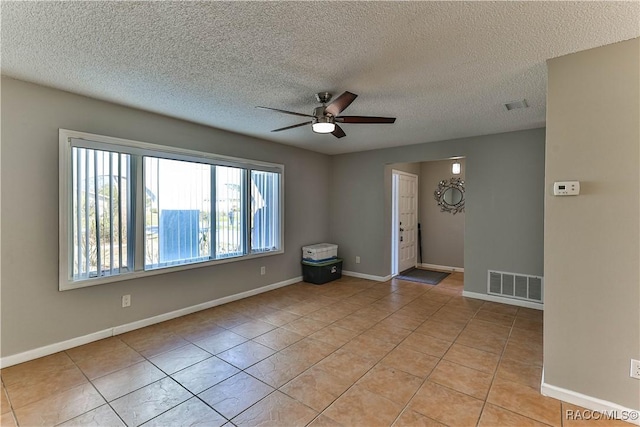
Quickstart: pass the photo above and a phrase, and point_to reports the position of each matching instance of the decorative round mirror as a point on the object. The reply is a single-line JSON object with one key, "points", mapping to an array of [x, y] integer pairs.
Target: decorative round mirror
{"points": [[450, 195]]}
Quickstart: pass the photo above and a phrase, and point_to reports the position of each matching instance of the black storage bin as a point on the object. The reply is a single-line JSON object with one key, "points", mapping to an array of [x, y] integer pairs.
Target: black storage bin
{"points": [[319, 273]]}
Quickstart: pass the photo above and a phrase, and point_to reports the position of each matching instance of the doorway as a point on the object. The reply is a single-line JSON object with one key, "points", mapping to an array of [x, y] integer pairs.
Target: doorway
{"points": [[404, 229]]}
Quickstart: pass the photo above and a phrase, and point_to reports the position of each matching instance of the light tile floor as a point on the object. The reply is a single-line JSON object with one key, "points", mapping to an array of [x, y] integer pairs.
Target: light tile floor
{"points": [[352, 352]]}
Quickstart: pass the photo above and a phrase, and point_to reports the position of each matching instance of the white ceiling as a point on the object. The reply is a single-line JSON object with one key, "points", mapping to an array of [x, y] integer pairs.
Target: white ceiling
{"points": [[444, 69]]}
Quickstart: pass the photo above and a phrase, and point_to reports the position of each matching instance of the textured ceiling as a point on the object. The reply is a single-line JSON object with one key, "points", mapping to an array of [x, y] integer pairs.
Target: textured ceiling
{"points": [[444, 69]]}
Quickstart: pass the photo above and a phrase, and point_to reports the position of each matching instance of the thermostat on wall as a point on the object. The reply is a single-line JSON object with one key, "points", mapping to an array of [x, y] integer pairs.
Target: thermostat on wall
{"points": [[566, 188]]}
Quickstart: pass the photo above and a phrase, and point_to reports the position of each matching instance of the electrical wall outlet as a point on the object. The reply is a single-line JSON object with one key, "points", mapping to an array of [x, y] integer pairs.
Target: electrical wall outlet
{"points": [[126, 300], [357, 260], [635, 369], [263, 270]]}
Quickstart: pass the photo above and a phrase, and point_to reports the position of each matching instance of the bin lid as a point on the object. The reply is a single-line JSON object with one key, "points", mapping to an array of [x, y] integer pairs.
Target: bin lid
{"points": [[322, 263], [320, 246]]}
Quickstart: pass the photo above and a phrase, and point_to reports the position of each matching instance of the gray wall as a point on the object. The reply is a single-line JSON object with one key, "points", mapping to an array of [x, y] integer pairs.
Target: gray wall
{"points": [[442, 232], [592, 250], [504, 210], [413, 168], [34, 313]]}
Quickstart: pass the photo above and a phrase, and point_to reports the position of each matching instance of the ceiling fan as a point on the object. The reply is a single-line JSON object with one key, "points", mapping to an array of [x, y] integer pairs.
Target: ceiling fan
{"points": [[325, 118]]}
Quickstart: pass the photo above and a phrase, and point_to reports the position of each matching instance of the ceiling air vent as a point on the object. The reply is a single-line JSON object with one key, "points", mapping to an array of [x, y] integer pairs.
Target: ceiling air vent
{"points": [[514, 285], [516, 104]]}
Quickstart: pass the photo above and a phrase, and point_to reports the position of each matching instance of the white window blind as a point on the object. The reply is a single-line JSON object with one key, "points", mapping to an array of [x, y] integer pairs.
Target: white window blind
{"points": [[230, 212], [130, 209], [177, 212], [265, 210], [100, 213]]}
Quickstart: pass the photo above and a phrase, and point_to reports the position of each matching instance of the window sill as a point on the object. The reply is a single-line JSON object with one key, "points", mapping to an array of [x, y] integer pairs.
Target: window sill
{"points": [[66, 284]]}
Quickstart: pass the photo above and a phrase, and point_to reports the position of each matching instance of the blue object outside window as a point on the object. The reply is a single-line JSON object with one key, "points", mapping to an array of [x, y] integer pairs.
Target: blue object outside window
{"points": [[179, 235]]}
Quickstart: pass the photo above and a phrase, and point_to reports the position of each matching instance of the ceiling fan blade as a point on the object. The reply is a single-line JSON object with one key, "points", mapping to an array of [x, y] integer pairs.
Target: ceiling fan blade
{"points": [[285, 111], [291, 127], [338, 132], [340, 103], [364, 119]]}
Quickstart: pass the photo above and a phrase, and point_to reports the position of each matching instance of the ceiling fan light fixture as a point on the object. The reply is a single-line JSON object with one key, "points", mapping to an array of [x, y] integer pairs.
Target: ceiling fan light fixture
{"points": [[323, 125], [324, 117]]}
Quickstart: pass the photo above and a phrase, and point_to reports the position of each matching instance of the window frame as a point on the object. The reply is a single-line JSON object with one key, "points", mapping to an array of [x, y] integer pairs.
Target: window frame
{"points": [[71, 138]]}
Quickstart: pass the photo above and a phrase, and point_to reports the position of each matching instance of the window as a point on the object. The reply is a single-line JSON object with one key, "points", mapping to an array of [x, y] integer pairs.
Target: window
{"points": [[265, 211], [130, 209], [177, 212], [230, 212], [100, 207]]}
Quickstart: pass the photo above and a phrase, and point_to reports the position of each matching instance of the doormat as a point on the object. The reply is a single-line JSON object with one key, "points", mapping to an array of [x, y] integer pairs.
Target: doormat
{"points": [[429, 277]]}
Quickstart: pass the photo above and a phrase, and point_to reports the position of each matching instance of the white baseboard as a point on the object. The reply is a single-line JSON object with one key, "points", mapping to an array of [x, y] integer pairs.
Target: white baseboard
{"points": [[503, 300], [591, 403], [366, 276], [199, 307], [36, 353], [120, 329], [442, 267]]}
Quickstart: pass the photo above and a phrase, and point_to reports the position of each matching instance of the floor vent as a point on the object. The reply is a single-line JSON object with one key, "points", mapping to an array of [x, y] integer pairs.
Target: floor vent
{"points": [[512, 285]]}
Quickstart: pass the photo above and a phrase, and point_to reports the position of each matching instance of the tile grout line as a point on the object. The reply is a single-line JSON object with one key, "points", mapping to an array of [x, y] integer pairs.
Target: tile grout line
{"points": [[97, 391], [384, 308], [167, 375], [359, 333], [365, 373], [495, 375], [315, 364], [386, 354], [495, 372], [212, 355], [146, 359], [241, 370], [406, 407], [6, 395]]}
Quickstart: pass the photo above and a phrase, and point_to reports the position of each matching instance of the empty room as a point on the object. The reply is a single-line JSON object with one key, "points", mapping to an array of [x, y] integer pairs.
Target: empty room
{"points": [[320, 213]]}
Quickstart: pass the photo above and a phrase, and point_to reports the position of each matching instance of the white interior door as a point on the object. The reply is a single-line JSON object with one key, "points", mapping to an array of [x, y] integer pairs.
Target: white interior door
{"points": [[407, 220]]}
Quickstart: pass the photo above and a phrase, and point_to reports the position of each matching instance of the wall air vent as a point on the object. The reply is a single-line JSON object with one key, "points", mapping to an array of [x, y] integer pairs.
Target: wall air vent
{"points": [[514, 285]]}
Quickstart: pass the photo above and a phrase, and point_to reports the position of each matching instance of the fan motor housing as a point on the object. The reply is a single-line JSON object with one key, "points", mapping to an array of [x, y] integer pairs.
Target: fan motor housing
{"points": [[323, 97], [324, 119], [319, 112]]}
